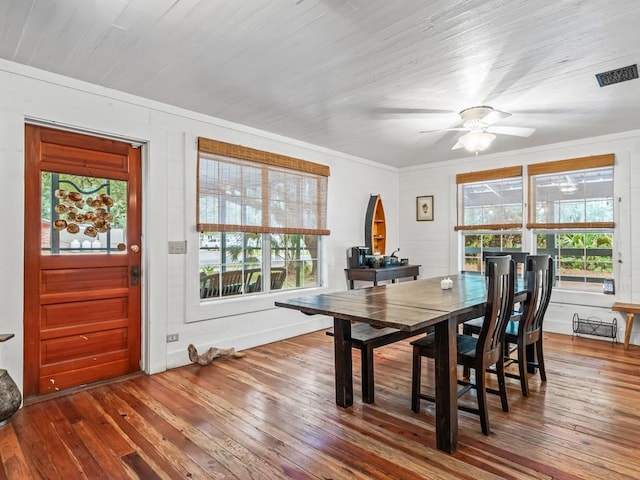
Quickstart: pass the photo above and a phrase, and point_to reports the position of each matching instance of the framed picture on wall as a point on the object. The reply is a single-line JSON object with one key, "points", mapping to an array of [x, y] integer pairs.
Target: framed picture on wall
{"points": [[424, 208]]}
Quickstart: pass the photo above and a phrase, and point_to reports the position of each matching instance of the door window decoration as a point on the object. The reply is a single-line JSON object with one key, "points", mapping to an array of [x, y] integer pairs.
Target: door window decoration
{"points": [[82, 214], [75, 211]]}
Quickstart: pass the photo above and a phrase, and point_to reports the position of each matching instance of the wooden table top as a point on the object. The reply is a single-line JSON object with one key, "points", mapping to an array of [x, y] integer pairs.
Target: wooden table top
{"points": [[407, 306]]}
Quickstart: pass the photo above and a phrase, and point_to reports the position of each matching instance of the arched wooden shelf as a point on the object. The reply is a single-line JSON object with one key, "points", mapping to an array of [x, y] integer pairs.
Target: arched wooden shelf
{"points": [[375, 227]]}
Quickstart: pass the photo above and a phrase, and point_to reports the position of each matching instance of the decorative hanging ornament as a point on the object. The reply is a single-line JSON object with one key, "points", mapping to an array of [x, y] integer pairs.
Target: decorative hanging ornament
{"points": [[94, 211]]}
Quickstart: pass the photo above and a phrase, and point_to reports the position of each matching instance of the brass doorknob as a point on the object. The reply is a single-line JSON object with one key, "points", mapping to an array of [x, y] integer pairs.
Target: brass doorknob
{"points": [[135, 248]]}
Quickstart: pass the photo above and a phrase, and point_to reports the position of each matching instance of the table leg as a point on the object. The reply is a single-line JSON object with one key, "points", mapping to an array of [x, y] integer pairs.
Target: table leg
{"points": [[446, 385], [343, 362], [627, 332]]}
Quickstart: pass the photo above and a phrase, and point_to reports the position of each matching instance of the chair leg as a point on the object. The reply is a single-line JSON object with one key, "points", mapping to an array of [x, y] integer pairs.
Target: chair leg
{"points": [[502, 385], [522, 368], [367, 374], [481, 393], [415, 380], [531, 356], [543, 373]]}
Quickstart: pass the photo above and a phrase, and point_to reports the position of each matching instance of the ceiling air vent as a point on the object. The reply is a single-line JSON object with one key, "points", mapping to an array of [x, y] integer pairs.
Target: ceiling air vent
{"points": [[618, 75]]}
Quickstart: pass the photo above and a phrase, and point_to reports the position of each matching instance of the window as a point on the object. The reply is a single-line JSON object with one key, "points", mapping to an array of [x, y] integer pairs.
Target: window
{"points": [[572, 216], [82, 215], [261, 218], [489, 213], [477, 244]]}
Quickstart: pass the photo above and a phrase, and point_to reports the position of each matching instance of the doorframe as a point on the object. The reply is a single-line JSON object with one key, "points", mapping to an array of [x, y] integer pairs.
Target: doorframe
{"points": [[145, 347]]}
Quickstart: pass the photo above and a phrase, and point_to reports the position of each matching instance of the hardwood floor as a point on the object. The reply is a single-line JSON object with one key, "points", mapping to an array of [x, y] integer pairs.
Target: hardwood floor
{"points": [[272, 415]]}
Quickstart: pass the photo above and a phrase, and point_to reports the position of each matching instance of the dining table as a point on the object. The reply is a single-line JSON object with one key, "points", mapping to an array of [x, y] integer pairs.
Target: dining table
{"points": [[409, 306]]}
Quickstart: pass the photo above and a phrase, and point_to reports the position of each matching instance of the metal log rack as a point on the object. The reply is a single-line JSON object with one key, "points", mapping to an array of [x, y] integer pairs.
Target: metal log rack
{"points": [[596, 327]]}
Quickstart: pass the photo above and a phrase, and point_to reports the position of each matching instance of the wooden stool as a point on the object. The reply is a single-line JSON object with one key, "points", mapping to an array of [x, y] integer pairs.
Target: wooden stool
{"points": [[630, 309]]}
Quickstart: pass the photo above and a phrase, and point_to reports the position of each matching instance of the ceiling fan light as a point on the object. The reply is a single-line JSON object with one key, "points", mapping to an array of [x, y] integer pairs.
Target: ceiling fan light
{"points": [[568, 188], [477, 141]]}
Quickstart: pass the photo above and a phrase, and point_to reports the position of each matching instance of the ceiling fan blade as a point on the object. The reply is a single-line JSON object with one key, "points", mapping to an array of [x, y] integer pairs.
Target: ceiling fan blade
{"points": [[516, 131], [457, 145], [408, 111], [460, 129], [493, 116]]}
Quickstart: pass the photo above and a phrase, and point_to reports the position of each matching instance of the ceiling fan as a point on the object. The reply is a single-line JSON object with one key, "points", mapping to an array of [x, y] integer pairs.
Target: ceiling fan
{"points": [[478, 122]]}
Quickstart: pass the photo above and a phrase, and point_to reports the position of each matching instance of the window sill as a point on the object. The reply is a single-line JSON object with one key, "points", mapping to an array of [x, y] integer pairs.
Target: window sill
{"points": [[580, 297], [240, 305]]}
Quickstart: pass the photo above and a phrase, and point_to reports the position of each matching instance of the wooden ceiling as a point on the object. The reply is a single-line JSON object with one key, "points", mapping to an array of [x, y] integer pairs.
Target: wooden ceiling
{"points": [[364, 77]]}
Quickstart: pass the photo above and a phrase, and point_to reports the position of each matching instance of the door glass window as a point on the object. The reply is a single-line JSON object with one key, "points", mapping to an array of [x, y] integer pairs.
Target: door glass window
{"points": [[82, 215]]}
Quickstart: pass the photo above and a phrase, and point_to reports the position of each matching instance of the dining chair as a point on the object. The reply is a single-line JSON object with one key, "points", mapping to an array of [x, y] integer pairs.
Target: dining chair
{"points": [[471, 327], [524, 329], [526, 332], [519, 258], [477, 353]]}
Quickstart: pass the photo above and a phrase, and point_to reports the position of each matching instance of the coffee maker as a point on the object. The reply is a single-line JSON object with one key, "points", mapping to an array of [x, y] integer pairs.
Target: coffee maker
{"points": [[356, 257]]}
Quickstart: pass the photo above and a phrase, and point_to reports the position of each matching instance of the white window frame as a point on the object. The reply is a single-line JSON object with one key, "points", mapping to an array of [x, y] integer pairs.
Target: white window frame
{"points": [[581, 227], [487, 178], [195, 311]]}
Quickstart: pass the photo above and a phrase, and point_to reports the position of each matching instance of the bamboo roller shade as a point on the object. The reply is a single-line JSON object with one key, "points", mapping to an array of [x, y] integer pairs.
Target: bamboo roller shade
{"points": [[291, 219], [569, 165], [572, 164], [489, 226], [487, 175], [260, 156]]}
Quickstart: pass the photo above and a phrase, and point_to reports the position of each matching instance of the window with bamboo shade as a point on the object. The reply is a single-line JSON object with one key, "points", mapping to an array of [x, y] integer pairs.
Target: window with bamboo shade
{"points": [[571, 214], [261, 217], [490, 199], [241, 188], [490, 213], [574, 193]]}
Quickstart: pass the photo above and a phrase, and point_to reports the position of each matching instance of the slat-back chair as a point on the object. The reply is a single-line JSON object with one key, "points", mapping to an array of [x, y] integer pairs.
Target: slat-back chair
{"points": [[479, 352], [471, 327], [526, 332], [209, 285], [524, 329], [277, 277], [519, 258], [232, 282]]}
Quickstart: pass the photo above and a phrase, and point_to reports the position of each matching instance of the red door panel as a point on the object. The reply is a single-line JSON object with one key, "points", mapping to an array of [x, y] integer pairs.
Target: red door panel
{"points": [[82, 307]]}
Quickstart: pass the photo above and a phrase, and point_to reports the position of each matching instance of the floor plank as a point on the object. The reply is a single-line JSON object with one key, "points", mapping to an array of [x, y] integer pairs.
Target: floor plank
{"points": [[272, 415]]}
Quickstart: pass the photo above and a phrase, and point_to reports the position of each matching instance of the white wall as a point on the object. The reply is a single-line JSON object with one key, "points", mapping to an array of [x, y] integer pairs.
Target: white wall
{"points": [[435, 244], [170, 281], [169, 135]]}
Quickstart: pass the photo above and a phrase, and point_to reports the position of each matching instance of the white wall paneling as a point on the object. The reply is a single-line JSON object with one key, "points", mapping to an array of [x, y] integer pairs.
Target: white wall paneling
{"points": [[435, 244], [170, 282]]}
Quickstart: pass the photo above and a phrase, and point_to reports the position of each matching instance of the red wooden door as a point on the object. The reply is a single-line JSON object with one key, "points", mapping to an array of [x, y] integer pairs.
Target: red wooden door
{"points": [[82, 294]]}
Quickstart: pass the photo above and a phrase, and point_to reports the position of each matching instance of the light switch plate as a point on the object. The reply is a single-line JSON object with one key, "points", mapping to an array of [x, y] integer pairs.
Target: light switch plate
{"points": [[178, 247]]}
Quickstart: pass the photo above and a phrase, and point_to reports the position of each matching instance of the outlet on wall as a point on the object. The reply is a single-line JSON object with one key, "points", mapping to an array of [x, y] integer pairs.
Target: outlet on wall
{"points": [[172, 337]]}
